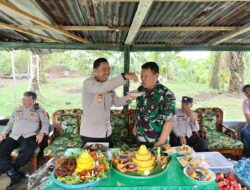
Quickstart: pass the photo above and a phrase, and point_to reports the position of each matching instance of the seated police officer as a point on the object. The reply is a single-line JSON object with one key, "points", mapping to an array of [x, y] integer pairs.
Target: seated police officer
{"points": [[23, 130], [185, 126]]}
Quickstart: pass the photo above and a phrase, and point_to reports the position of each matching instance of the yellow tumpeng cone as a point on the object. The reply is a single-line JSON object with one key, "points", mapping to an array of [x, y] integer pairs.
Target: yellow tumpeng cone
{"points": [[84, 162]]}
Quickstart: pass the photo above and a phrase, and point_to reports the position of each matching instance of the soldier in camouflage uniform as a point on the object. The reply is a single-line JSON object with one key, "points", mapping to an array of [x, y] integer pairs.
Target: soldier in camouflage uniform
{"points": [[155, 109], [23, 130]]}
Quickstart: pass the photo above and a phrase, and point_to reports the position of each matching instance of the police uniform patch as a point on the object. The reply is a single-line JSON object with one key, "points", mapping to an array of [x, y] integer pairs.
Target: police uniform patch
{"points": [[43, 112], [31, 116], [18, 116], [99, 98]]}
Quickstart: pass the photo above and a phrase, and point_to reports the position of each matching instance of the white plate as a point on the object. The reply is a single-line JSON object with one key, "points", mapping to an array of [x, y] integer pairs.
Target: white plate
{"points": [[136, 94], [105, 144], [174, 150], [196, 157], [213, 177]]}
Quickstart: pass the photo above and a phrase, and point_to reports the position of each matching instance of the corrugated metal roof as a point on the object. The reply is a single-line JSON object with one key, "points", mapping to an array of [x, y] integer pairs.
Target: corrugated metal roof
{"points": [[119, 14], [198, 14], [241, 39], [187, 37]]}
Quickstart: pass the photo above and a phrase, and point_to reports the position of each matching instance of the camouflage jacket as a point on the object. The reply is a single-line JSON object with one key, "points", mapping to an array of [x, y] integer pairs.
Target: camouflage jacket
{"points": [[154, 108]]}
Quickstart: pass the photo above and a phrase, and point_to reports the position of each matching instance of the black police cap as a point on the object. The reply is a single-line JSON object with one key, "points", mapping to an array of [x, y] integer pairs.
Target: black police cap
{"points": [[186, 99]]}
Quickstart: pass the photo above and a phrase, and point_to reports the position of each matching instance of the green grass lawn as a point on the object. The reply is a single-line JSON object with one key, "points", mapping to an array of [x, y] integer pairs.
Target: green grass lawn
{"points": [[64, 93]]}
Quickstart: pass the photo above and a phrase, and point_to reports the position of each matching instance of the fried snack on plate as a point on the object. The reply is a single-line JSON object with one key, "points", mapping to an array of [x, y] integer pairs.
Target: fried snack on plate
{"points": [[192, 173]]}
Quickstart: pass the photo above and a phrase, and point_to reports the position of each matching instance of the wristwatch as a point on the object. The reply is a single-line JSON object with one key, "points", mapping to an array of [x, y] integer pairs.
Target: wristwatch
{"points": [[123, 76]]}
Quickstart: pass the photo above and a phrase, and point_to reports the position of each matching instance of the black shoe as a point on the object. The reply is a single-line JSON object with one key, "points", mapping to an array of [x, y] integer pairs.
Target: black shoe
{"points": [[22, 174], [15, 177]]}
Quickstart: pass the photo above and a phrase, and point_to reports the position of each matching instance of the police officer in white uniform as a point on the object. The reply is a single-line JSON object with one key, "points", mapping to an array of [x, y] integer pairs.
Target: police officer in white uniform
{"points": [[23, 130], [98, 96], [185, 126]]}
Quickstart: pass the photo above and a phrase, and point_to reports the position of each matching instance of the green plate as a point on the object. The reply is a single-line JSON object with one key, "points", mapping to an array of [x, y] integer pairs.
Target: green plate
{"points": [[133, 176], [156, 172]]}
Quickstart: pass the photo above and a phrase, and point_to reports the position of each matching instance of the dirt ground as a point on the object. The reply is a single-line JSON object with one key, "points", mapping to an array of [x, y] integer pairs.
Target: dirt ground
{"points": [[4, 179]]}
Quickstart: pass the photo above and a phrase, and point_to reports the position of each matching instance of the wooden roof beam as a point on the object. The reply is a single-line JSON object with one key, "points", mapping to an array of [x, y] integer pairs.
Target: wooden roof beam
{"points": [[77, 28], [125, 28], [187, 28], [8, 6], [230, 35], [141, 12], [18, 29]]}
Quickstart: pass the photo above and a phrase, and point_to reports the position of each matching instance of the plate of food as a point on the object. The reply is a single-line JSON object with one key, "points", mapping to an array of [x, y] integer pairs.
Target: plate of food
{"points": [[97, 146], [136, 94], [193, 161], [82, 169], [184, 149], [139, 164], [199, 174]]}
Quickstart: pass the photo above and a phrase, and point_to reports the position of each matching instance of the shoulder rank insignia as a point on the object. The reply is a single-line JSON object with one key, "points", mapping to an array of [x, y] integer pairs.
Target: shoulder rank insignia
{"points": [[19, 109], [43, 112]]}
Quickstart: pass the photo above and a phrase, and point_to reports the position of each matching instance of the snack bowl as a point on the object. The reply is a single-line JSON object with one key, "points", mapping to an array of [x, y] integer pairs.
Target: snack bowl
{"points": [[130, 166], [199, 174]]}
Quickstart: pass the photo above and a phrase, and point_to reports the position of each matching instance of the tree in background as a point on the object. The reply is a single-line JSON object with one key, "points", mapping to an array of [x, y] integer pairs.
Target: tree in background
{"points": [[214, 70], [220, 71], [42, 76], [246, 60], [214, 83], [5, 63], [34, 73], [228, 71], [236, 66], [21, 62]]}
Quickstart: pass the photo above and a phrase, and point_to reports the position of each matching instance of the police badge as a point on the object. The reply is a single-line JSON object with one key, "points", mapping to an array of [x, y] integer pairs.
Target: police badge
{"points": [[100, 98], [18, 116], [32, 116]]}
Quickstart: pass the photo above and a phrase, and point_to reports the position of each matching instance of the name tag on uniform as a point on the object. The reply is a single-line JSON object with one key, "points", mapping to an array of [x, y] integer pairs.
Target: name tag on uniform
{"points": [[181, 118], [18, 114], [99, 98]]}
